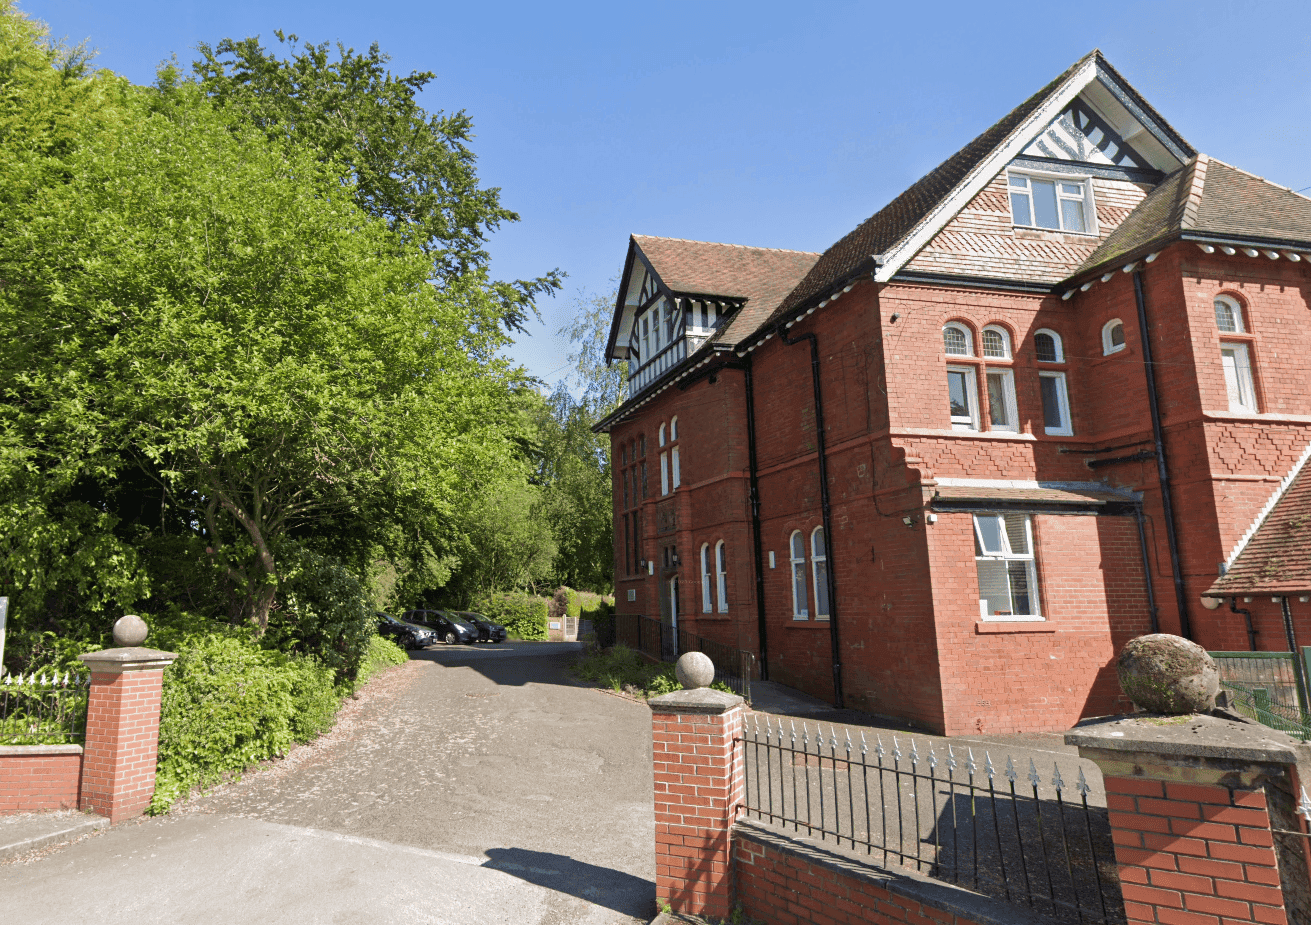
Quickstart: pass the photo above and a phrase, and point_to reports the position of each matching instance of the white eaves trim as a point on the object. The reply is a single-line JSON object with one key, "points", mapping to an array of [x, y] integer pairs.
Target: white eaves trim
{"points": [[1101, 487], [1269, 506], [982, 175]]}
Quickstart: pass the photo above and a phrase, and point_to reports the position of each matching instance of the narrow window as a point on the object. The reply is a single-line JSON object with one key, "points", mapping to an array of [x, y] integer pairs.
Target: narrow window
{"points": [[1001, 400], [1112, 337], [800, 599], [962, 397], [721, 577], [1238, 377], [1055, 404], [819, 567], [646, 335], [628, 547], [705, 578], [662, 434], [1047, 347], [664, 473], [1007, 570], [674, 474], [644, 490], [1228, 315]]}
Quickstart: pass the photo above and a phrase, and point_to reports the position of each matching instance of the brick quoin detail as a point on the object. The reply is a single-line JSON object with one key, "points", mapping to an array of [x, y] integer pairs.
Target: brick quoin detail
{"points": [[699, 787], [122, 742]]}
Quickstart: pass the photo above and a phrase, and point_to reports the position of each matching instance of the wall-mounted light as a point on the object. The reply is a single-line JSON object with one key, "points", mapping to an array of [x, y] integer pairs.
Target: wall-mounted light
{"points": [[895, 316], [1211, 603], [674, 559]]}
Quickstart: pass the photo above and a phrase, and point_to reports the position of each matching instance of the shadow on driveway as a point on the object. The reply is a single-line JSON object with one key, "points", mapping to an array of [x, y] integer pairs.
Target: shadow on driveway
{"points": [[514, 663], [601, 886]]}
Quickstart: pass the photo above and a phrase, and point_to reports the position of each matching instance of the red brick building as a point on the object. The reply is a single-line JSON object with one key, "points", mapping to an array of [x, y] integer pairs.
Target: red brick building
{"points": [[937, 472]]}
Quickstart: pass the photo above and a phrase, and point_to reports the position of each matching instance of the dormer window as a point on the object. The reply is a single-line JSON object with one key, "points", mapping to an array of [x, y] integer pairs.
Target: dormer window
{"points": [[1055, 203]]}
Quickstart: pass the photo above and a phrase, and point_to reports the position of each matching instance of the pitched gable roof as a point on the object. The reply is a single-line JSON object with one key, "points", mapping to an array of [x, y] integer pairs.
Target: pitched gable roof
{"points": [[1274, 557], [1205, 198]]}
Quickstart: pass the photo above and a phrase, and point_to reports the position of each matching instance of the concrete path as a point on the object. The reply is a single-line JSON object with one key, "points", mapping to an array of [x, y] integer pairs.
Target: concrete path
{"points": [[477, 785]]}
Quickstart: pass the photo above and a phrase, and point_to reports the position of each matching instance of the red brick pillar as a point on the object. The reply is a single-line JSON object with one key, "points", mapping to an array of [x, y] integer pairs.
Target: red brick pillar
{"points": [[696, 743], [122, 731], [1198, 806]]}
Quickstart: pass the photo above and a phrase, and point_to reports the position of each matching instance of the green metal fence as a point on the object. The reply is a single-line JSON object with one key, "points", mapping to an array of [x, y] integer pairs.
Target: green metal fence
{"points": [[1266, 686]]}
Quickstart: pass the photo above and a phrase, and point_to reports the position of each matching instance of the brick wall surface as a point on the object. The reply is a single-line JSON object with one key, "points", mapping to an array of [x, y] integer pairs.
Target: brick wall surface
{"points": [[34, 778], [1194, 854], [699, 784], [122, 742]]}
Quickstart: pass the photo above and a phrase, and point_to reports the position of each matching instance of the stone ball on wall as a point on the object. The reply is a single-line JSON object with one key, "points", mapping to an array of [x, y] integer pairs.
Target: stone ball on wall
{"points": [[130, 631], [695, 669], [1168, 674]]}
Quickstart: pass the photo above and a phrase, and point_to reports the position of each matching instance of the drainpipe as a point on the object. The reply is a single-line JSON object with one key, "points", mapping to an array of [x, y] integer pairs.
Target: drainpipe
{"points": [[1247, 615], [1162, 471], [1297, 654], [753, 483], [1154, 615], [825, 508]]}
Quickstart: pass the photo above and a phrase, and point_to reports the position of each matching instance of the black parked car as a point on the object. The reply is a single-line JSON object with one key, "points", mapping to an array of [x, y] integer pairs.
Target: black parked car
{"points": [[487, 630], [406, 635], [446, 626]]}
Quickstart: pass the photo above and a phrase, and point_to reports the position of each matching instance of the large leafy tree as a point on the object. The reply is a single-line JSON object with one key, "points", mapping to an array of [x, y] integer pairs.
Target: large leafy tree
{"points": [[412, 168]]}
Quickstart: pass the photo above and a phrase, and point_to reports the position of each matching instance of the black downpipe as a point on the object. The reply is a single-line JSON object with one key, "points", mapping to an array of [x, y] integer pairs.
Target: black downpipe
{"points": [[1162, 471], [1247, 615], [1297, 655], [753, 483], [1147, 569], [826, 511]]}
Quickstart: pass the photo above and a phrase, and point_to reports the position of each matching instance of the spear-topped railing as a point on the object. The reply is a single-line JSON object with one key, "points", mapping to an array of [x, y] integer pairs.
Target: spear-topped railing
{"points": [[937, 814], [43, 709]]}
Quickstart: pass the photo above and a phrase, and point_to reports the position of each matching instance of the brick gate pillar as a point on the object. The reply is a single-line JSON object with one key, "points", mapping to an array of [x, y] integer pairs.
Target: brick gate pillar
{"points": [[696, 743], [1202, 809], [122, 730]]}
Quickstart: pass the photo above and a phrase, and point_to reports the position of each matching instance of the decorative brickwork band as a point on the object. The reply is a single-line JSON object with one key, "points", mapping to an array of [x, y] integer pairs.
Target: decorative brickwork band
{"points": [[122, 731], [699, 787], [1199, 807]]}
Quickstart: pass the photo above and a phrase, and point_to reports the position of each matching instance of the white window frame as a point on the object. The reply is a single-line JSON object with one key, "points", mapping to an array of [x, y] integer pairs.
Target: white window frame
{"points": [[675, 470], [721, 577], [705, 578], [971, 422], [1007, 555], [1026, 191], [1066, 427], [1235, 309], [664, 473], [1056, 342], [1005, 342], [1007, 376], [800, 599], [1107, 347], [819, 561], [662, 433], [966, 332], [1240, 384]]}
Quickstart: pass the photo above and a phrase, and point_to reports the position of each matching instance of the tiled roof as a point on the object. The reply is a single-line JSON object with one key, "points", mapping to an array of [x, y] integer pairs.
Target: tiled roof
{"points": [[761, 275], [877, 234], [1208, 197], [1277, 557]]}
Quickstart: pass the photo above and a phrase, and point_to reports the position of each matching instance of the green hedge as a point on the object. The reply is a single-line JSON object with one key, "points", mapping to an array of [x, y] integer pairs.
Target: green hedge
{"points": [[602, 614], [522, 615]]}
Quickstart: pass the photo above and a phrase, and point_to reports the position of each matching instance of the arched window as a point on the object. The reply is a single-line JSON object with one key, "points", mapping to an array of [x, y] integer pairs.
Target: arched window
{"points": [[819, 568], [662, 434], [1112, 337], [1047, 346], [956, 340], [705, 578], [996, 343], [800, 599], [721, 577], [1229, 315]]}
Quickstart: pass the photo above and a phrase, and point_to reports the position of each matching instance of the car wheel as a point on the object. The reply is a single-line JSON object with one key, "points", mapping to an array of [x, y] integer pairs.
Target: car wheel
{"points": [[411, 642], [498, 640], [450, 639]]}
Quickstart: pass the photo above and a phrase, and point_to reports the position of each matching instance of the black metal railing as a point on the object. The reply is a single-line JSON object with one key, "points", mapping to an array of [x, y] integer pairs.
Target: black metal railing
{"points": [[1003, 833], [43, 709], [658, 641], [1264, 686]]}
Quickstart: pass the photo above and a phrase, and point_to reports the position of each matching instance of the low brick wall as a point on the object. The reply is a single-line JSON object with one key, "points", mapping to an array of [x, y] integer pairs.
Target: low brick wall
{"points": [[783, 880], [39, 777]]}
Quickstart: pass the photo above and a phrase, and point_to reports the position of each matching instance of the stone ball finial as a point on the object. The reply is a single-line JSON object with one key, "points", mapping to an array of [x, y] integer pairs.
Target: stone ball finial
{"points": [[130, 631], [1168, 674], [694, 669]]}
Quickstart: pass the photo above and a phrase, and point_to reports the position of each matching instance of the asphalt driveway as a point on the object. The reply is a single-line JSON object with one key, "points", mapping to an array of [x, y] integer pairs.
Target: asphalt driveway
{"points": [[477, 785]]}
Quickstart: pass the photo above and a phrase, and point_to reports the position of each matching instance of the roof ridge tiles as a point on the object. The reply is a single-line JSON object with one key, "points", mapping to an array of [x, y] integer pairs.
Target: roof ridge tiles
{"points": [[750, 247]]}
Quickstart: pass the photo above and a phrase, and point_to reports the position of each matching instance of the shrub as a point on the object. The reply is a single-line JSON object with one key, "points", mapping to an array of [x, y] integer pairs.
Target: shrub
{"points": [[602, 614], [326, 612], [381, 653], [522, 615], [623, 669]]}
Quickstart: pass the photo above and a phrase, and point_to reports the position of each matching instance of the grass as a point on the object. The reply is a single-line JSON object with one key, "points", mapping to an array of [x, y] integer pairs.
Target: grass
{"points": [[627, 671]]}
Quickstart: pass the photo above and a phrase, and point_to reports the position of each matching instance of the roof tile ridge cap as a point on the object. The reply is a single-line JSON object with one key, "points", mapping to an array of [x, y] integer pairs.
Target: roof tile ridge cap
{"points": [[1248, 173], [1269, 506], [1193, 201], [750, 247]]}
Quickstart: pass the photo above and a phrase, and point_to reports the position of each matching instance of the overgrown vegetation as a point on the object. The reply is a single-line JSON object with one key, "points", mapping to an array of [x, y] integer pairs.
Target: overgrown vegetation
{"points": [[522, 615], [628, 671]]}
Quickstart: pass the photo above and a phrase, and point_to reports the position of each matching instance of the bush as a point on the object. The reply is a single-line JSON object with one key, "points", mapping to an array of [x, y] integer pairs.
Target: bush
{"points": [[602, 614], [522, 615], [627, 670], [227, 704], [326, 612], [381, 653]]}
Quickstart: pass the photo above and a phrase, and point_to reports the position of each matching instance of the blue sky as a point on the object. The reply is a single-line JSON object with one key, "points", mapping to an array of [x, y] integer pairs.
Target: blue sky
{"points": [[761, 123]]}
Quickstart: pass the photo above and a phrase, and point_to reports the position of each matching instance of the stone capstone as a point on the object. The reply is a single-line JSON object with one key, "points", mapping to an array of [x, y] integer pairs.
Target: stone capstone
{"points": [[1168, 674], [130, 631], [695, 669]]}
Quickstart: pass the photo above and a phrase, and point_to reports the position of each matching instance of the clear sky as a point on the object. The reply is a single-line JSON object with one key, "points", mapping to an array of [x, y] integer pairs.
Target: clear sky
{"points": [[763, 123]]}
